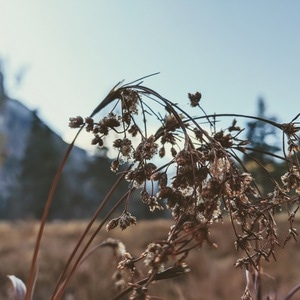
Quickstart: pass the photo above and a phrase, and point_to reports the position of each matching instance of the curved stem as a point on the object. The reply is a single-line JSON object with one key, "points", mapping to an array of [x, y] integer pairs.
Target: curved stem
{"points": [[279, 126], [84, 234], [292, 292], [59, 291], [31, 279]]}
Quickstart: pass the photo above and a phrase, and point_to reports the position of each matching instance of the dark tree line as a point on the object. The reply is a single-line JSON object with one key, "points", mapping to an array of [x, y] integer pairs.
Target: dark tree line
{"points": [[264, 139], [79, 190]]}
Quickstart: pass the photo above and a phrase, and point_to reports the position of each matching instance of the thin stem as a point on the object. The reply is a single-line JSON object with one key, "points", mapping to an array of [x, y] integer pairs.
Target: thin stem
{"points": [[84, 234], [292, 292], [166, 274], [275, 124], [63, 285], [31, 279]]}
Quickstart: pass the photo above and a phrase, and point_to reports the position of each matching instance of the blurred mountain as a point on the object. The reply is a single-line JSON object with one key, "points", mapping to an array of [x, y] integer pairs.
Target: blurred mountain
{"points": [[30, 154], [15, 126]]}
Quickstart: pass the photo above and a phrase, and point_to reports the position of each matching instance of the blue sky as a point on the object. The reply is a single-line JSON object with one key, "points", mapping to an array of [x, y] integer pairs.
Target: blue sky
{"points": [[70, 53]]}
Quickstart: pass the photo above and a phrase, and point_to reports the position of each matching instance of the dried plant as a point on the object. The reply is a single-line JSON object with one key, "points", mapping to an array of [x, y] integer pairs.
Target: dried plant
{"points": [[183, 164], [11, 288]]}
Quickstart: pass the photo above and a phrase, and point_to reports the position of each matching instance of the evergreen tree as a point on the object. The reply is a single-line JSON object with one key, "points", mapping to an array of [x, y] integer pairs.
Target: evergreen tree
{"points": [[41, 160], [263, 140], [262, 136]]}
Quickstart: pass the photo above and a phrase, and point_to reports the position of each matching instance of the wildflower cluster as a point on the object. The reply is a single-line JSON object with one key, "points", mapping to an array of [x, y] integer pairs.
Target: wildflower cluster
{"points": [[201, 180]]}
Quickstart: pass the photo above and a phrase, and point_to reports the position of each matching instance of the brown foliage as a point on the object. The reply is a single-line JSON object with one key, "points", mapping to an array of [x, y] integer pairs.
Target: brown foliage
{"points": [[212, 274]]}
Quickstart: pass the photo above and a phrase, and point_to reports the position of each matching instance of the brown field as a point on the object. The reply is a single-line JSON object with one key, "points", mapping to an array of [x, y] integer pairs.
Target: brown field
{"points": [[212, 273]]}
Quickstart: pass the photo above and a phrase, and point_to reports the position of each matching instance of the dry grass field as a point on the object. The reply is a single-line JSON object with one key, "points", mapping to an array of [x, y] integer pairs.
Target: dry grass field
{"points": [[212, 275]]}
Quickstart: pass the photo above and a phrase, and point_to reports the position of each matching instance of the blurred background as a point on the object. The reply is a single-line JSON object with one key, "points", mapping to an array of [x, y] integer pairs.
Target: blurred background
{"points": [[60, 58]]}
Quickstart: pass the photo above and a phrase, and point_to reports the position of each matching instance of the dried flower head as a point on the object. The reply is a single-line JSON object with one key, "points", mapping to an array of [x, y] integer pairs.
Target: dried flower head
{"points": [[200, 177], [76, 122], [195, 98], [125, 220]]}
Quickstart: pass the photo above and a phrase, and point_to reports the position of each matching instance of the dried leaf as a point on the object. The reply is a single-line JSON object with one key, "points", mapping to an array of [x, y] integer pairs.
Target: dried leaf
{"points": [[12, 288]]}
